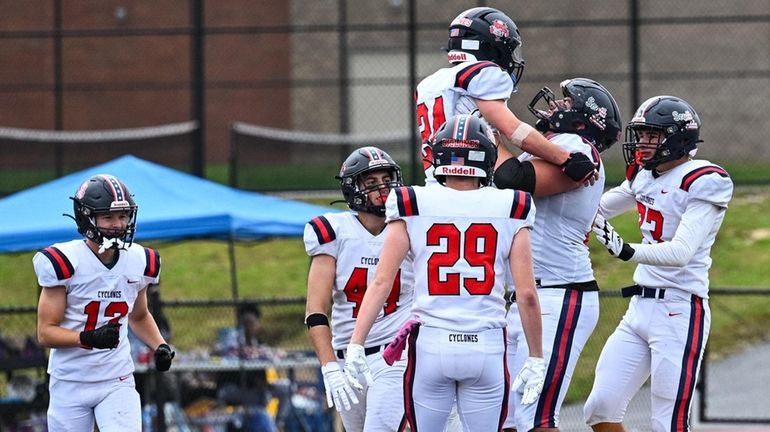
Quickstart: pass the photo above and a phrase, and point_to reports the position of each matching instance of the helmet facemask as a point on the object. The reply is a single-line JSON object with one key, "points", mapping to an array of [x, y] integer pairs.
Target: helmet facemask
{"points": [[354, 171], [360, 191], [641, 139], [100, 195]]}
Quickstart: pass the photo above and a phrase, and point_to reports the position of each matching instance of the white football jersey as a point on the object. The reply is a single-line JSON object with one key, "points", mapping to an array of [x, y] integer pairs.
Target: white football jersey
{"points": [[460, 242], [560, 236], [357, 252], [96, 295], [454, 90], [661, 201]]}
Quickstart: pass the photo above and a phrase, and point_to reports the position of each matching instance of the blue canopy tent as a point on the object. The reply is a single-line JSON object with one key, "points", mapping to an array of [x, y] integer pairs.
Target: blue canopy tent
{"points": [[172, 206]]}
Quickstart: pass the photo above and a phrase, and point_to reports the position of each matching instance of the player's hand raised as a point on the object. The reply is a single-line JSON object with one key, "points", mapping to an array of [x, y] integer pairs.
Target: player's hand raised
{"points": [[356, 366], [530, 380], [339, 394], [104, 337]]}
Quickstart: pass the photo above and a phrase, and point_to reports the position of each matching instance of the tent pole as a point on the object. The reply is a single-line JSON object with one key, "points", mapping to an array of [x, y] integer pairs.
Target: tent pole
{"points": [[233, 269]]}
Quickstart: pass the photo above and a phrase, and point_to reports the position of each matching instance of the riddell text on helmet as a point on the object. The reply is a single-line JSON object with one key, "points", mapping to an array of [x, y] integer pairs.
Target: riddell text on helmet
{"points": [[457, 170]]}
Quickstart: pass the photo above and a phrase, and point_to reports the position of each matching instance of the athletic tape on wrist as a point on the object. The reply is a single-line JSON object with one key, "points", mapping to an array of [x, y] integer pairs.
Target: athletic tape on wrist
{"points": [[521, 133], [317, 319]]}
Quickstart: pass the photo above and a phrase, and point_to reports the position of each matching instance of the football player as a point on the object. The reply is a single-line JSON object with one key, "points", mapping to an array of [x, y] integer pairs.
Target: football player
{"points": [[462, 237], [91, 289], [484, 48], [681, 203], [585, 120], [345, 249]]}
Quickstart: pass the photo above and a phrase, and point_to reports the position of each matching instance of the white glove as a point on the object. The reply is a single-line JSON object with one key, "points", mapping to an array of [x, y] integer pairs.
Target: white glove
{"points": [[356, 366], [614, 243], [530, 380], [338, 392]]}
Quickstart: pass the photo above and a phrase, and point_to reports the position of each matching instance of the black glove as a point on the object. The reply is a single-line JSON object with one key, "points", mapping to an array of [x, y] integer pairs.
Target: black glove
{"points": [[106, 336], [163, 356], [578, 167]]}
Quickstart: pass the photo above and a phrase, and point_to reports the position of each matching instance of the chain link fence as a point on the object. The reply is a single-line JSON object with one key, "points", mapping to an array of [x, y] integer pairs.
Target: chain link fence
{"points": [[344, 67], [214, 365]]}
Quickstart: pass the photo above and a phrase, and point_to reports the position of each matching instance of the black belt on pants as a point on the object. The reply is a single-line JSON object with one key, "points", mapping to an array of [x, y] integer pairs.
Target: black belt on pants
{"points": [[367, 351], [580, 286], [645, 292]]}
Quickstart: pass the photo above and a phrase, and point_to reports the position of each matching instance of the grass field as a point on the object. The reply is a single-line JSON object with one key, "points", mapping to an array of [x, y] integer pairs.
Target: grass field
{"points": [[277, 268]]}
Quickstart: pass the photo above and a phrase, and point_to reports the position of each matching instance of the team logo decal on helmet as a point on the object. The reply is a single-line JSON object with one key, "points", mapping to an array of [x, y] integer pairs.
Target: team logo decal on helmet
{"points": [[356, 166], [499, 29], [101, 194]]}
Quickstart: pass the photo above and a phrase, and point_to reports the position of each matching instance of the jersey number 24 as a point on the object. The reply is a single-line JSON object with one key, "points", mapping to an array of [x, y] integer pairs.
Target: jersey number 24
{"points": [[356, 288]]}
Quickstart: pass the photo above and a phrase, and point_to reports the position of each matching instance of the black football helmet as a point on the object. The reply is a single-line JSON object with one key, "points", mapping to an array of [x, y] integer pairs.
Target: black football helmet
{"points": [[678, 123], [464, 146], [104, 193], [592, 113], [359, 163], [486, 34]]}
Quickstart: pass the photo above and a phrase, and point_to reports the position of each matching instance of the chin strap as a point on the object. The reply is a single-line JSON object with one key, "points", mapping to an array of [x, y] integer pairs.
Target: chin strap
{"points": [[108, 243]]}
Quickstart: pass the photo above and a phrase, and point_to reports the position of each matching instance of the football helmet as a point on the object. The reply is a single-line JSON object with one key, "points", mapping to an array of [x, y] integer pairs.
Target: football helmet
{"points": [[590, 112], [677, 122], [104, 193], [464, 146], [484, 33], [359, 163]]}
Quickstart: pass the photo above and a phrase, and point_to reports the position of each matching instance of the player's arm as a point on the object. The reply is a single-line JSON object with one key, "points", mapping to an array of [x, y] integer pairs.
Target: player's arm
{"points": [[538, 177], [697, 222], [617, 200], [520, 259], [521, 134], [50, 313], [320, 283], [142, 322], [394, 250]]}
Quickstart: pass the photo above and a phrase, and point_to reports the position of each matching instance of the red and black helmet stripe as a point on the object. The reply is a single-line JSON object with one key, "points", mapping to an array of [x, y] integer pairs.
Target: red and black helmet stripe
{"points": [[61, 264], [465, 75], [522, 201], [695, 174], [118, 193], [373, 153], [407, 201], [152, 262], [323, 229]]}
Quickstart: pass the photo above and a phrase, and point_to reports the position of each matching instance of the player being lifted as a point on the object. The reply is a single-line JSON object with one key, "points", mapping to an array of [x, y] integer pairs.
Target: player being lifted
{"points": [[485, 49], [90, 289], [681, 203], [585, 120], [462, 238]]}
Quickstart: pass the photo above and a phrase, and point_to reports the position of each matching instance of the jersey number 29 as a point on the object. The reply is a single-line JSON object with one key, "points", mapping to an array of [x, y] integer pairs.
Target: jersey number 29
{"points": [[477, 245]]}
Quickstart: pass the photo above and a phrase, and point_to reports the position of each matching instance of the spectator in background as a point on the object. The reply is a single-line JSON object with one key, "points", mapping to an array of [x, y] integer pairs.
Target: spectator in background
{"points": [[249, 388]]}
